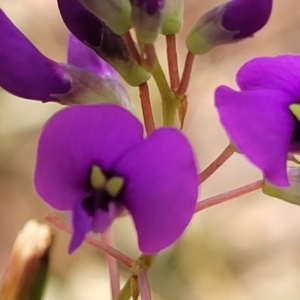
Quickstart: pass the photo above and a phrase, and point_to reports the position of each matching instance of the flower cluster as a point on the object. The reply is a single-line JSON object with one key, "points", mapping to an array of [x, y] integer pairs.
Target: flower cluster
{"points": [[94, 161]]}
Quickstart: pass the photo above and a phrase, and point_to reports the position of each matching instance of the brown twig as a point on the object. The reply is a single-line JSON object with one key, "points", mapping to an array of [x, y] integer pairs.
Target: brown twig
{"points": [[64, 226], [146, 108], [201, 205], [186, 75], [216, 164], [172, 61]]}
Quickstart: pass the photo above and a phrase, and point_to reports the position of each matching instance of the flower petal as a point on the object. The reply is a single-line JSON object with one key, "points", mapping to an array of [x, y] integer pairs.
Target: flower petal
{"points": [[102, 219], [161, 187], [275, 73], [246, 16], [261, 126], [24, 71], [81, 56], [81, 225], [75, 139], [83, 24]]}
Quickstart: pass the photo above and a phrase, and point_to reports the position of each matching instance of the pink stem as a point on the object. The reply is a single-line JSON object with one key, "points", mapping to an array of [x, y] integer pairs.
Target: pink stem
{"points": [[216, 164], [144, 285], [112, 264], [64, 226], [201, 205]]}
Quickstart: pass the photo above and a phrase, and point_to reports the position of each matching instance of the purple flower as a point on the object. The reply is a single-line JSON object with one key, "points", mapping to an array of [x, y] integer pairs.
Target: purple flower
{"points": [[228, 23], [261, 119], [27, 73], [94, 161]]}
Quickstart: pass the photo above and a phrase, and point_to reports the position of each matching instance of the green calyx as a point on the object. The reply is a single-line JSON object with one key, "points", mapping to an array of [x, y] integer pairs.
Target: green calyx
{"points": [[197, 43], [289, 194]]}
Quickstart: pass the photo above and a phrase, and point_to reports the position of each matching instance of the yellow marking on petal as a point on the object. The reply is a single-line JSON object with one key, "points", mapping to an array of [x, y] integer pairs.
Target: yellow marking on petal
{"points": [[114, 185], [97, 178], [295, 109]]}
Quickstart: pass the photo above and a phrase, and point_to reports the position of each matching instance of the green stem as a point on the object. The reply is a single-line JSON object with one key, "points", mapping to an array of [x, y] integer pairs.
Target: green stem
{"points": [[144, 262], [125, 293], [170, 101]]}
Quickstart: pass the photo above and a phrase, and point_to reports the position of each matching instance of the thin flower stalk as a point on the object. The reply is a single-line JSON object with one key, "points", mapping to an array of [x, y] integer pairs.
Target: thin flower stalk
{"points": [[169, 100], [144, 285], [216, 164], [209, 202], [172, 61], [146, 108], [132, 47], [186, 75], [112, 264], [64, 226]]}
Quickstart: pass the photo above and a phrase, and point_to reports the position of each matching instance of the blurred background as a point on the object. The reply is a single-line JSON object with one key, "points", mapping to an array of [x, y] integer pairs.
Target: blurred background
{"points": [[245, 249]]}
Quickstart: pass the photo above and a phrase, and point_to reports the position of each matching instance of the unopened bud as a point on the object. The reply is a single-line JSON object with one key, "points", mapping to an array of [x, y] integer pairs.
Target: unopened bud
{"points": [[228, 23], [115, 13], [173, 17], [89, 88], [95, 34], [147, 19]]}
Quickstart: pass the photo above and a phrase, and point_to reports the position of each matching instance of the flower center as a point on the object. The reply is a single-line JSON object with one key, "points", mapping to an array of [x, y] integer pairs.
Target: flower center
{"points": [[104, 191]]}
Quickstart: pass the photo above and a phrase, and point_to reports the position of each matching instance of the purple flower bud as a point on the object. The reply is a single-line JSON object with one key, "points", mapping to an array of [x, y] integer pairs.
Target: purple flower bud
{"points": [[27, 73], [95, 34], [147, 19], [115, 13], [24, 71], [246, 16], [228, 23]]}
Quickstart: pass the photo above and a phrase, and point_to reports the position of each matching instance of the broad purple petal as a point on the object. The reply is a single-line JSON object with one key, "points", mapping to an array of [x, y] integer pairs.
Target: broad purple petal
{"points": [[161, 188], [246, 16], [82, 56], [276, 73], [82, 23], [261, 126], [81, 225], [24, 71], [72, 141]]}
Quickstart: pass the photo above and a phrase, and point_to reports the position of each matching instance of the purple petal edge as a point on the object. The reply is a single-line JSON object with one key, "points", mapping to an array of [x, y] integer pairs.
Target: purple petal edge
{"points": [[81, 56], [246, 16], [251, 120], [24, 71], [161, 188]]}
